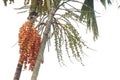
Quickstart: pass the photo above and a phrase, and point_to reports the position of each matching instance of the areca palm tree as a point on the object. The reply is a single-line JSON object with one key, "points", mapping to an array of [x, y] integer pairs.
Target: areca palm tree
{"points": [[55, 19]]}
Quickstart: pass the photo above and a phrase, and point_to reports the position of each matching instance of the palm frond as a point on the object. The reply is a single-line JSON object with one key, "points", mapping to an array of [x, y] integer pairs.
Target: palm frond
{"points": [[67, 36], [88, 16], [104, 2]]}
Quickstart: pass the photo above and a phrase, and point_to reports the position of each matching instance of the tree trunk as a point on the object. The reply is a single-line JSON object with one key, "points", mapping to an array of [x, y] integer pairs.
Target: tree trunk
{"points": [[18, 71], [43, 44]]}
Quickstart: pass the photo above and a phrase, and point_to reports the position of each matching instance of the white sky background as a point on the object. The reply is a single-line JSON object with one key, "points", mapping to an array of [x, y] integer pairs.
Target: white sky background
{"points": [[102, 64]]}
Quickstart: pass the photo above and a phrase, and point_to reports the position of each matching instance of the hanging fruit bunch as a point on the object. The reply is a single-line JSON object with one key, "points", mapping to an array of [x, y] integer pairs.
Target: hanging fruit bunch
{"points": [[29, 42]]}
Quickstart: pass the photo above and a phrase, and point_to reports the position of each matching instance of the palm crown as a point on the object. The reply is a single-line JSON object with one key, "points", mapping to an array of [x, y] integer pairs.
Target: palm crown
{"points": [[55, 19]]}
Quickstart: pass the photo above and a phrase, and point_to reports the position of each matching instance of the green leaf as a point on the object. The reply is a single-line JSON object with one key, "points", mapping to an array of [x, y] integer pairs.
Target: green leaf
{"points": [[11, 1], [104, 2], [88, 16], [5, 2], [109, 2]]}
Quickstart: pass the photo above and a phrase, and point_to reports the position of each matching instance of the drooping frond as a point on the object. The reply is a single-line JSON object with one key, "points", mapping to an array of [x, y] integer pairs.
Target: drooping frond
{"points": [[67, 36], [104, 2], [88, 16]]}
